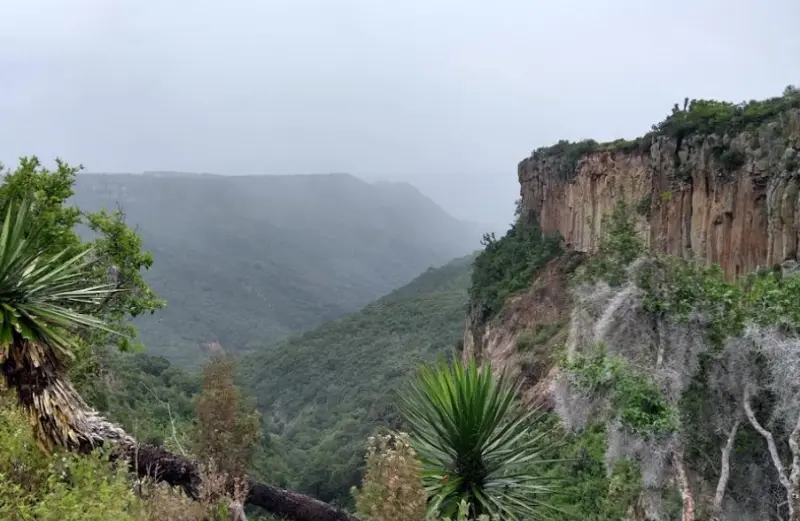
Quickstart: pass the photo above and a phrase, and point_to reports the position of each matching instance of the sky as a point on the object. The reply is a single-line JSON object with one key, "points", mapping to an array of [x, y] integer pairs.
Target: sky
{"points": [[446, 94]]}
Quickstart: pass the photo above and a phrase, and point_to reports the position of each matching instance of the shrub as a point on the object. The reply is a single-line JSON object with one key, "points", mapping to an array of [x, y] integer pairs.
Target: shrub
{"points": [[508, 265], [528, 340], [58, 486], [392, 487], [644, 204], [620, 245], [567, 155], [635, 400], [732, 159]]}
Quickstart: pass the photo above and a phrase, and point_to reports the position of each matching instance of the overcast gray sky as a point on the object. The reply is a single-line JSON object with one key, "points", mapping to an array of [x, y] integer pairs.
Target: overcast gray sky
{"points": [[446, 94]]}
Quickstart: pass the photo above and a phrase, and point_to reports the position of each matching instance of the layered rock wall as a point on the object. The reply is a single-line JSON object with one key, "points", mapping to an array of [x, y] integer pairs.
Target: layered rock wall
{"points": [[727, 199]]}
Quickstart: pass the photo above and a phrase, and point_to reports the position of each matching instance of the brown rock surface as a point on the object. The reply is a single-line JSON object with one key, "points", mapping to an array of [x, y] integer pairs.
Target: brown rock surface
{"points": [[743, 216], [543, 308]]}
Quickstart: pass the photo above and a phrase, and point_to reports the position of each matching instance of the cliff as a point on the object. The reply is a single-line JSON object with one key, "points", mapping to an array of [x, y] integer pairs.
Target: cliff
{"points": [[660, 365], [715, 181]]}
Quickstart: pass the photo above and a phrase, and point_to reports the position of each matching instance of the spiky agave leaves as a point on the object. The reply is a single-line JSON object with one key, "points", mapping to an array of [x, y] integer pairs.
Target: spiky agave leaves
{"points": [[39, 293], [476, 443]]}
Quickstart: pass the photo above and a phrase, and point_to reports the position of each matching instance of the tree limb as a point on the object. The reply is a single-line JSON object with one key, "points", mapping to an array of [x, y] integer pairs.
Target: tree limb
{"points": [[159, 464], [725, 471], [791, 492], [171, 419], [683, 483], [61, 417], [794, 476]]}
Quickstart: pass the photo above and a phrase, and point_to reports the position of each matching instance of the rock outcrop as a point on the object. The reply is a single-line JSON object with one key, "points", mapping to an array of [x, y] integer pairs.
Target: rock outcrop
{"points": [[731, 198], [542, 314]]}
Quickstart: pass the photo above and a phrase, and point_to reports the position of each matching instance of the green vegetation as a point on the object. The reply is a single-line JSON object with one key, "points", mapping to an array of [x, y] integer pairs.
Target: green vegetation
{"points": [[619, 246], [635, 400], [324, 392], [145, 394], [59, 300], [65, 486], [474, 440], [117, 258], [60, 486], [47, 297], [392, 488], [508, 265], [538, 337], [228, 426], [587, 489], [249, 260], [678, 288], [644, 205], [704, 117], [566, 154], [697, 117]]}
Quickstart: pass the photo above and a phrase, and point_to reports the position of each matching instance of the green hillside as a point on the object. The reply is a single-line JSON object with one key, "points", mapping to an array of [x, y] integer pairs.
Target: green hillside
{"points": [[326, 391], [248, 260], [145, 394]]}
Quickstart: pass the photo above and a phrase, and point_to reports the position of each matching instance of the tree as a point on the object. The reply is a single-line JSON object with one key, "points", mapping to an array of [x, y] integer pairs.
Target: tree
{"points": [[226, 436], [228, 427], [52, 306], [475, 442]]}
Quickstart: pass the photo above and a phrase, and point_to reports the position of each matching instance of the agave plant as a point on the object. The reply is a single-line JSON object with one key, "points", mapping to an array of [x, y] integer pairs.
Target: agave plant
{"points": [[40, 292], [476, 444]]}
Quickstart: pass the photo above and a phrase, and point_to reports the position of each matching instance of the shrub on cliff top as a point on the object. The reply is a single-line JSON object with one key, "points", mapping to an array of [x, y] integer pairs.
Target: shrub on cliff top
{"points": [[567, 154], [507, 265], [701, 116], [698, 116]]}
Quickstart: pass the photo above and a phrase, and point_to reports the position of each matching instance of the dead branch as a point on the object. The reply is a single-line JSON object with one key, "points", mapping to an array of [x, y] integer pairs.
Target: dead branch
{"points": [[683, 484], [725, 471], [792, 493]]}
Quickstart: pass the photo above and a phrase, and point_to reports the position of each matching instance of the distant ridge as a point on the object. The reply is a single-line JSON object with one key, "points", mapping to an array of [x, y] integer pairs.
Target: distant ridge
{"points": [[247, 260]]}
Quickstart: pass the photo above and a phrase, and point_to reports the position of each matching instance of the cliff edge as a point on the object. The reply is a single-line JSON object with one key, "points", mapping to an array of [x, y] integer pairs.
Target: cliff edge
{"points": [[715, 181]]}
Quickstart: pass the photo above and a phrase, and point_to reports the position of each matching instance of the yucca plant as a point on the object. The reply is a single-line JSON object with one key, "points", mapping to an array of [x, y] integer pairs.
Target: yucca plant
{"points": [[40, 291], [477, 445]]}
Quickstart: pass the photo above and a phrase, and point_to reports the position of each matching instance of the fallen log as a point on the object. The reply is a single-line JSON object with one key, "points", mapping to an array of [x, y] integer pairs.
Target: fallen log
{"points": [[164, 466], [61, 417], [161, 465]]}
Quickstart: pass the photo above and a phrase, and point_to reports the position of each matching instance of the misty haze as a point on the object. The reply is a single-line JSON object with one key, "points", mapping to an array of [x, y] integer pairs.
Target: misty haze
{"points": [[353, 260]]}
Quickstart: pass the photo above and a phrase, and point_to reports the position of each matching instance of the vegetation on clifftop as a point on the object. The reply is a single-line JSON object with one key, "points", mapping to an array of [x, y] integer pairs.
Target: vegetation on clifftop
{"points": [[696, 117]]}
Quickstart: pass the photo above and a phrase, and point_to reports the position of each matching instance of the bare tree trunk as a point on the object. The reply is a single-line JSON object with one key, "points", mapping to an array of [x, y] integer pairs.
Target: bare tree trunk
{"points": [[792, 489], [683, 484], [61, 417], [725, 472], [237, 512], [794, 476]]}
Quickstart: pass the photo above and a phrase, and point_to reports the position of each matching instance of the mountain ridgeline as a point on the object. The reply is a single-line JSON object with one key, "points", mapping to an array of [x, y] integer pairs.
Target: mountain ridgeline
{"points": [[247, 260]]}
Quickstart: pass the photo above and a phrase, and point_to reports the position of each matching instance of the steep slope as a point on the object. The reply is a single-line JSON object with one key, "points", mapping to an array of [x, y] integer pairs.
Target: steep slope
{"points": [[328, 389], [716, 181], [676, 383], [248, 260]]}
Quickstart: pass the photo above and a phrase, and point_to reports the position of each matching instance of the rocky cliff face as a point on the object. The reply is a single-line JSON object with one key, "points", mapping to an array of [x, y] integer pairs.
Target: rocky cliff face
{"points": [[730, 198], [716, 183]]}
